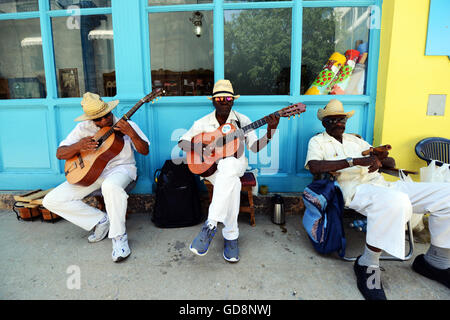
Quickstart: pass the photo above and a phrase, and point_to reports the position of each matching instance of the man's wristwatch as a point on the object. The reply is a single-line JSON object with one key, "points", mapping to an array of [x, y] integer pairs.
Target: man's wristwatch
{"points": [[349, 161]]}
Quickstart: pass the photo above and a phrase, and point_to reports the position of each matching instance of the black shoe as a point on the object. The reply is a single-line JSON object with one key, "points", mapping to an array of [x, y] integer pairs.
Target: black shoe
{"points": [[366, 277], [421, 266]]}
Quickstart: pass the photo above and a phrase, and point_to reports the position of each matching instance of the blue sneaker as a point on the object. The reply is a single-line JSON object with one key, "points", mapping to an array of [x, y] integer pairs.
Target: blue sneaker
{"points": [[231, 250], [200, 245]]}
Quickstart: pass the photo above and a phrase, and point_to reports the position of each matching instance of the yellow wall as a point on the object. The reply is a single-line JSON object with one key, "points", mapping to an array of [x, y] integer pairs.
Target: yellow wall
{"points": [[405, 79]]}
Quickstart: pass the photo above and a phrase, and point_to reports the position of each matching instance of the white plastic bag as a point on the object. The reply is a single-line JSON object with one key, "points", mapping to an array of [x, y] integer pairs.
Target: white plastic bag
{"points": [[434, 173], [446, 172]]}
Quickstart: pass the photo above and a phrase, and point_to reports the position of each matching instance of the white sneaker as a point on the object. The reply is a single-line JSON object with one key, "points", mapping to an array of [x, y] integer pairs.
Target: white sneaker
{"points": [[121, 250], [100, 232]]}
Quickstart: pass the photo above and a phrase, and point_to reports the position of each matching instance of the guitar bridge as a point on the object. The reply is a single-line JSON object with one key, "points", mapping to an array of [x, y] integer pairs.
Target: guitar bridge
{"points": [[74, 166], [81, 161]]}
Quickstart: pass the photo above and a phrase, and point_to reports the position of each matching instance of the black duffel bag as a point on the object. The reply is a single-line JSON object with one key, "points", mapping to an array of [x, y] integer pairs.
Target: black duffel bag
{"points": [[177, 201]]}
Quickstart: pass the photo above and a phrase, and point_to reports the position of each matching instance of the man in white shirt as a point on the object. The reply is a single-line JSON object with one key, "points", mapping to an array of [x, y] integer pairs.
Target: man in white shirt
{"points": [[225, 202], [66, 199], [387, 205]]}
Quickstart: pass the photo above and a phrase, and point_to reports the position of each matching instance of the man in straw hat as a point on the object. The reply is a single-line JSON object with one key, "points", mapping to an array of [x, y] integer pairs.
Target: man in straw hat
{"points": [[387, 205], [66, 199], [225, 202]]}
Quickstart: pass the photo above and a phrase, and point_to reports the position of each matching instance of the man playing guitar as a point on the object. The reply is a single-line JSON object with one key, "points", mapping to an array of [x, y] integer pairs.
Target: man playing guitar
{"points": [[66, 199], [225, 202]]}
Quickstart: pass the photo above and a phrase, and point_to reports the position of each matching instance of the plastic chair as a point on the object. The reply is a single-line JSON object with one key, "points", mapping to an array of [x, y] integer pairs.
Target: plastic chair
{"points": [[434, 148], [386, 257]]}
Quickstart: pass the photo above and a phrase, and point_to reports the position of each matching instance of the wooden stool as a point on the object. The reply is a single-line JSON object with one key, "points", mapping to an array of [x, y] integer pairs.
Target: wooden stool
{"points": [[247, 181]]}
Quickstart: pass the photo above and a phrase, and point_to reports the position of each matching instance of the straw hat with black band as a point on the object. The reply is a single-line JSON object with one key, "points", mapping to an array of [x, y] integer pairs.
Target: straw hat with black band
{"points": [[94, 107], [334, 108], [223, 88]]}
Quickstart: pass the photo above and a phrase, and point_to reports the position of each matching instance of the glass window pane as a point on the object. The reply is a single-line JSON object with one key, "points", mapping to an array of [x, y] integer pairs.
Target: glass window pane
{"points": [[258, 50], [253, 0], [69, 4], [10, 6], [334, 50], [182, 61], [21, 62], [172, 2], [84, 55]]}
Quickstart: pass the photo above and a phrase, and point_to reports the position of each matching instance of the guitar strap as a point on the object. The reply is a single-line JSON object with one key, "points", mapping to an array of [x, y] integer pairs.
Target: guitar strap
{"points": [[238, 122]]}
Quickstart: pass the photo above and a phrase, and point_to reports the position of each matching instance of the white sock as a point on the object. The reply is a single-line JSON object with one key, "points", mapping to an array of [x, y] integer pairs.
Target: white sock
{"points": [[211, 223], [369, 258], [120, 237], [438, 257]]}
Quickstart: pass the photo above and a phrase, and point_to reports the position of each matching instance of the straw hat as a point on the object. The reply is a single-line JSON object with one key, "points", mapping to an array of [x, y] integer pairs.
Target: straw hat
{"points": [[333, 108], [94, 107], [223, 88]]}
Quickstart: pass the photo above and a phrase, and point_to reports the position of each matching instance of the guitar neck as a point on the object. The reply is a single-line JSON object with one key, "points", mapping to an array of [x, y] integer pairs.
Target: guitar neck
{"points": [[128, 115], [256, 124], [125, 117]]}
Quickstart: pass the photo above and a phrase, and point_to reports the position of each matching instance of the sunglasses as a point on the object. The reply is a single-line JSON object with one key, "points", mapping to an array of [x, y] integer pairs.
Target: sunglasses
{"points": [[101, 118], [217, 99], [335, 120]]}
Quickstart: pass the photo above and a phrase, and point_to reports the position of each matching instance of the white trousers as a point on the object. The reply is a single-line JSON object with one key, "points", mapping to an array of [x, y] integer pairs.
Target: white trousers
{"points": [[226, 198], [66, 201], [389, 208]]}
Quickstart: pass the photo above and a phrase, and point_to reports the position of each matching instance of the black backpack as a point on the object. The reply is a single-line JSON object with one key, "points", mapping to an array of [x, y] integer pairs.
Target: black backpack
{"points": [[177, 197]]}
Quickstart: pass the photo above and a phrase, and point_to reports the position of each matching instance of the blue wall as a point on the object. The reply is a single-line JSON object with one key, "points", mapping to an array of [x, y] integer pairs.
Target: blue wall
{"points": [[31, 129]]}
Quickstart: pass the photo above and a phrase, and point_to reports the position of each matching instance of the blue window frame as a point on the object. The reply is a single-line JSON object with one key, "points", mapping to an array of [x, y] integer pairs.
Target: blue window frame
{"points": [[438, 34], [164, 121]]}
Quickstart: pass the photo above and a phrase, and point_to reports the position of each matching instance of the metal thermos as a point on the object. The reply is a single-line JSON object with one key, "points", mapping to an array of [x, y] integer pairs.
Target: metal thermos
{"points": [[278, 216]]}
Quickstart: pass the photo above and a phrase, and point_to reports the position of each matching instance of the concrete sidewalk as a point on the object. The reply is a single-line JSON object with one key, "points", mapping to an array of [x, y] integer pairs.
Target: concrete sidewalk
{"points": [[41, 260]]}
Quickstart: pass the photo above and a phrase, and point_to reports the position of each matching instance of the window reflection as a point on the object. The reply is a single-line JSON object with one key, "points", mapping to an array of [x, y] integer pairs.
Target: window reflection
{"points": [[69, 4], [11, 6], [258, 50], [21, 63], [334, 50], [252, 0], [182, 61], [172, 2], [84, 55]]}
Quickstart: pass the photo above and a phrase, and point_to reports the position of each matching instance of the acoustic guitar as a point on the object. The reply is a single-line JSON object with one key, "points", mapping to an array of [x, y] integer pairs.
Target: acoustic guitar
{"points": [[225, 141], [84, 168]]}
